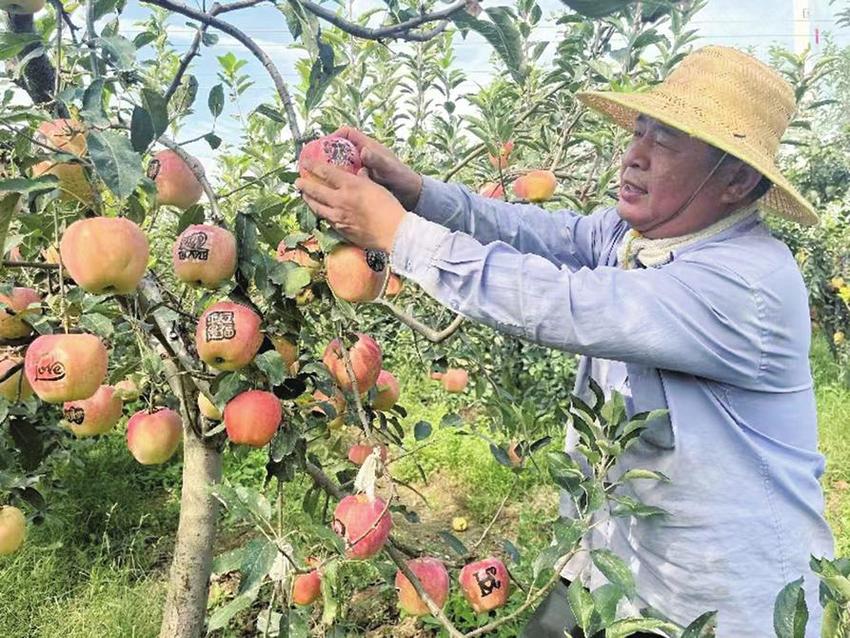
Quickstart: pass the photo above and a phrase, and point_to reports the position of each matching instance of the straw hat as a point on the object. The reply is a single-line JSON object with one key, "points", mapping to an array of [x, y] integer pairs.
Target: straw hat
{"points": [[728, 99]]}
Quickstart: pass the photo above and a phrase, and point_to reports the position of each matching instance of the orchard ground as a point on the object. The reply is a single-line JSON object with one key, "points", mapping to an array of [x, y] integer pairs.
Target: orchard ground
{"points": [[98, 566]]}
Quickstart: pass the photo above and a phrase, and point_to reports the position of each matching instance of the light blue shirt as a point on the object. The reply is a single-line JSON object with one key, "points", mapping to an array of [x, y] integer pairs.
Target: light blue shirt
{"points": [[719, 336]]}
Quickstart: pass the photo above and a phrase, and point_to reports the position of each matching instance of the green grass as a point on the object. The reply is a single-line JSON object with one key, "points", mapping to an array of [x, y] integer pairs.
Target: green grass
{"points": [[97, 566]]}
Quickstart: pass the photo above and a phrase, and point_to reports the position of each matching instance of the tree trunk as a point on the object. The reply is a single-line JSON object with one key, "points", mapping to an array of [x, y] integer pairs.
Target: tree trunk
{"points": [[186, 603]]}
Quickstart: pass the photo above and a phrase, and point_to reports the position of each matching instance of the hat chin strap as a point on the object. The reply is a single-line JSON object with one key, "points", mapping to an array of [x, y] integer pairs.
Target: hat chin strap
{"points": [[690, 200]]}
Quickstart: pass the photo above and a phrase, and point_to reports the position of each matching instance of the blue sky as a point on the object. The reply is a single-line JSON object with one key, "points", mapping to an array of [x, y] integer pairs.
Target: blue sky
{"points": [[741, 23]]}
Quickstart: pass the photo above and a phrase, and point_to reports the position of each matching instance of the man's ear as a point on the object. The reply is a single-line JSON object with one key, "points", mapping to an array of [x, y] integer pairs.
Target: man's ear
{"points": [[741, 179]]}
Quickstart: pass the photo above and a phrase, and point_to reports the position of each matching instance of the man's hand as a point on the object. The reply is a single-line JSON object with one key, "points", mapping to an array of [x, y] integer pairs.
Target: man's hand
{"points": [[385, 168], [364, 212]]}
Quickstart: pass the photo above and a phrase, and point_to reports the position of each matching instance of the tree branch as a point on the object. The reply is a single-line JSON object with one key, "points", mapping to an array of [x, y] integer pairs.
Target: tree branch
{"points": [[253, 47], [429, 333], [401, 31]]}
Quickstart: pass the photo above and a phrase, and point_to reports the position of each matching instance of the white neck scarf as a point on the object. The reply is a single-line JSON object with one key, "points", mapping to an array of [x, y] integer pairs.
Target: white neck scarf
{"points": [[636, 250]]}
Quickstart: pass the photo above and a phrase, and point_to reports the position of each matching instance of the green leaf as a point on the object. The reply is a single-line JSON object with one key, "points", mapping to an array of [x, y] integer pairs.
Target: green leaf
{"points": [[597, 8], [271, 364], [92, 110], [790, 613], [115, 161], [639, 473], [831, 620], [502, 34], [629, 626], [192, 215], [119, 50], [703, 627], [296, 280], [500, 455], [320, 80], [24, 185], [141, 129], [422, 430], [606, 599], [222, 616], [228, 561], [330, 587], [565, 472], [215, 101], [455, 543], [213, 140], [8, 206], [581, 603], [271, 112], [615, 570], [256, 563], [545, 561], [11, 44], [98, 324], [628, 506], [157, 110]]}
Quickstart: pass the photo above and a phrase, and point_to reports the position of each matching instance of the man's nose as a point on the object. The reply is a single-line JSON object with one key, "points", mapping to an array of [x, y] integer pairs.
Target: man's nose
{"points": [[637, 154]]}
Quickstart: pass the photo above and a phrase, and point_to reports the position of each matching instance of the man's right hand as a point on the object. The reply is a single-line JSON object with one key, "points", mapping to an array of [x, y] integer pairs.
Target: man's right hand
{"points": [[385, 168]]}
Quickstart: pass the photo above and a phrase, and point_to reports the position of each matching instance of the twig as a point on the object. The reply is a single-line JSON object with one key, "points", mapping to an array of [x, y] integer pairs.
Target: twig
{"points": [[62, 308], [414, 324], [349, 370], [38, 265], [402, 30], [253, 47], [495, 517]]}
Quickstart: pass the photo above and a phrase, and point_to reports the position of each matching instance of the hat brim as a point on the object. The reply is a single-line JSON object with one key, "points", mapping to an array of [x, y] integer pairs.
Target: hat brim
{"points": [[623, 108]]}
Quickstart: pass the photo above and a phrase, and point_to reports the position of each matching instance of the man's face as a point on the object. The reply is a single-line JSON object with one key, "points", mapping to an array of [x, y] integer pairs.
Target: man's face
{"points": [[661, 169]]}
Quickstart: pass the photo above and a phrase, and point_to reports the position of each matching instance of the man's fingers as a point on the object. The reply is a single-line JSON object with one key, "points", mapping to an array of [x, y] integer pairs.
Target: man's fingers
{"points": [[315, 190], [322, 210], [331, 175], [354, 136]]}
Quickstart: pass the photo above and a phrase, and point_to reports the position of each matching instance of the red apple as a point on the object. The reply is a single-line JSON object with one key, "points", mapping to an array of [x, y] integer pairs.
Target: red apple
{"points": [[358, 454], [68, 136], [435, 581], [306, 588], [388, 391], [13, 318], [485, 584], [207, 408], [365, 525], [252, 418], [228, 336], [127, 390], [288, 351], [536, 186], [153, 437], [500, 162], [105, 254], [13, 529], [16, 387], [350, 276], [65, 367], [455, 380], [300, 254], [96, 415], [365, 358], [492, 190], [330, 149], [176, 184], [204, 255]]}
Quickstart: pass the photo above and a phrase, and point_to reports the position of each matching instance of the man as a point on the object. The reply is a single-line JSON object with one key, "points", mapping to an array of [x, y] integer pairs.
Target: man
{"points": [[679, 298]]}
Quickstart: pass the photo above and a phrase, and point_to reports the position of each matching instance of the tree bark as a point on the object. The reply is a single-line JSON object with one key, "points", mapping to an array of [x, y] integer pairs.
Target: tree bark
{"points": [[186, 603]]}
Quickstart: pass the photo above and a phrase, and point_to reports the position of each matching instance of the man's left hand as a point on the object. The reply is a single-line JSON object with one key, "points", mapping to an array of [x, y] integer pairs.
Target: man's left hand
{"points": [[366, 213]]}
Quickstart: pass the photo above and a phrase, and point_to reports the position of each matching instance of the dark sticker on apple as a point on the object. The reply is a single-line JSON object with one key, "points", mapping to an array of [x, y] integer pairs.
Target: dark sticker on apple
{"points": [[75, 414], [49, 370], [377, 260], [487, 581], [339, 152], [153, 168], [193, 246], [220, 326]]}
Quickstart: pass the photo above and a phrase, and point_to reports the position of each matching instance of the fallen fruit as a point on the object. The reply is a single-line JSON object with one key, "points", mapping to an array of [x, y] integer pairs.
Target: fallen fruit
{"points": [[153, 437], [96, 415], [365, 525], [536, 186], [228, 336], [388, 391], [204, 255], [65, 367], [460, 524], [13, 529], [207, 408], [350, 276], [252, 418], [306, 588], [365, 357], [16, 387], [330, 149], [435, 581], [485, 584], [176, 184], [17, 311], [839, 338], [105, 254]]}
